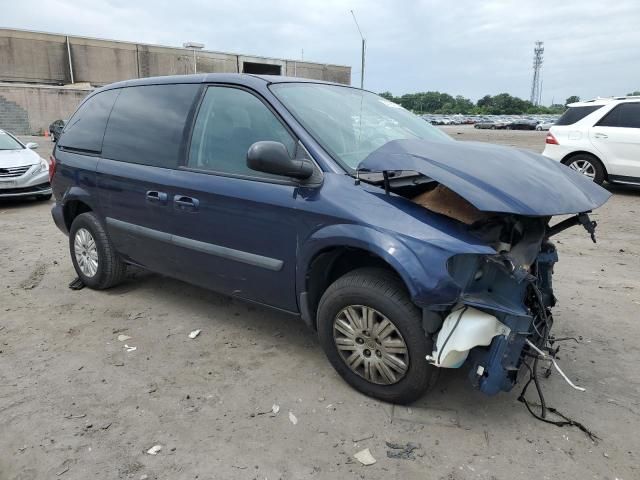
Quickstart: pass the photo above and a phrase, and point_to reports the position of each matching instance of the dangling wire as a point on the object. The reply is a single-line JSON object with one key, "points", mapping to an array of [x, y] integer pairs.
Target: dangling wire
{"points": [[533, 374]]}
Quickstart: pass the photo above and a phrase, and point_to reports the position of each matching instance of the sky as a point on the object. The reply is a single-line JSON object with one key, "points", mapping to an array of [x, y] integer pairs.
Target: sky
{"points": [[469, 48]]}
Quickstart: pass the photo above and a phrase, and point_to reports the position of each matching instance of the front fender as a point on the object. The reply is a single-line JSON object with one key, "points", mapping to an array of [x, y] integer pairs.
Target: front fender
{"points": [[421, 264]]}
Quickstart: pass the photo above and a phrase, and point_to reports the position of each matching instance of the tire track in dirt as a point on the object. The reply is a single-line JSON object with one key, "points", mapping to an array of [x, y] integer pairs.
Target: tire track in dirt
{"points": [[35, 277]]}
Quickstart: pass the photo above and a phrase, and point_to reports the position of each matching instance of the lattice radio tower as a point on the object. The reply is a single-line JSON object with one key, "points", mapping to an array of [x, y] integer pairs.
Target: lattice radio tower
{"points": [[536, 84]]}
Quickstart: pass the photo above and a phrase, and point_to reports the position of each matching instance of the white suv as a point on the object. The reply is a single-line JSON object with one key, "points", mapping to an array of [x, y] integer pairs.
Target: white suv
{"points": [[599, 138]]}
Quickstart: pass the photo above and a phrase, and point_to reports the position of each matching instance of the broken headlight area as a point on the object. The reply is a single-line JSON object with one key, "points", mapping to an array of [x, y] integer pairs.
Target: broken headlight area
{"points": [[504, 300]]}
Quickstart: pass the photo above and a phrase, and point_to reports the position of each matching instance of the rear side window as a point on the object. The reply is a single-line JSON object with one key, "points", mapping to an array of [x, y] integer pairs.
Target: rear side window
{"points": [[85, 130], [574, 114], [625, 115], [147, 124]]}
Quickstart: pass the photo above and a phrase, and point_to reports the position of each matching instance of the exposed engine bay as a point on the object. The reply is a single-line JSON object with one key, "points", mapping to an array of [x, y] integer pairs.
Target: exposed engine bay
{"points": [[503, 311]]}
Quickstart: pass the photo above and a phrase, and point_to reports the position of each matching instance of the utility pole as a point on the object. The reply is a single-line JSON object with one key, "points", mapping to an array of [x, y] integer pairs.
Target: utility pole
{"points": [[364, 48], [194, 46], [536, 83]]}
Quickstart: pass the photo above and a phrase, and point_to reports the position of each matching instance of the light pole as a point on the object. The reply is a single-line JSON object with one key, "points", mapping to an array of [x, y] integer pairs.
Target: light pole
{"points": [[364, 46], [194, 46]]}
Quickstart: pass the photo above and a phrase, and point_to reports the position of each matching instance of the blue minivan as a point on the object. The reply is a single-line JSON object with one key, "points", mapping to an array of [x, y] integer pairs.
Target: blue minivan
{"points": [[406, 250]]}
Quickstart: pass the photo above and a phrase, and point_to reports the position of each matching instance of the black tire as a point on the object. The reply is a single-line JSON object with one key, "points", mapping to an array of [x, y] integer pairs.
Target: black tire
{"points": [[600, 172], [382, 290], [44, 197], [111, 269], [493, 127]]}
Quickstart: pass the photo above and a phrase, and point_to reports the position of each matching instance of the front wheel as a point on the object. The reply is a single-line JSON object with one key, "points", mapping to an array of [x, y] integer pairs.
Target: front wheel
{"points": [[95, 260], [372, 334]]}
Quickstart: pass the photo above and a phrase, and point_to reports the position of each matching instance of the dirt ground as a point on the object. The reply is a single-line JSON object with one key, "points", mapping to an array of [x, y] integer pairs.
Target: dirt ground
{"points": [[75, 404]]}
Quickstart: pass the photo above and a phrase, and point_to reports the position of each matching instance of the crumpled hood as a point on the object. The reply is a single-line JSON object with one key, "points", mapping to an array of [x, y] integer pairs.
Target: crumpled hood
{"points": [[493, 178], [18, 158]]}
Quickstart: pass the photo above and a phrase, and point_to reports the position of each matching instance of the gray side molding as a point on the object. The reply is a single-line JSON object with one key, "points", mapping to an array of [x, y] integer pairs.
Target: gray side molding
{"points": [[248, 258]]}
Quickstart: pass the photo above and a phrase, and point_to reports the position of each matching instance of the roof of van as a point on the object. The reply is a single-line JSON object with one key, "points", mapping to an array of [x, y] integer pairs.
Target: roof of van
{"points": [[237, 78]]}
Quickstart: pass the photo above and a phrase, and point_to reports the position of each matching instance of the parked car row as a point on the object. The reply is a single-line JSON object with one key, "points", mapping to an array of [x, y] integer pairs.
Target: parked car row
{"points": [[518, 124], [495, 122]]}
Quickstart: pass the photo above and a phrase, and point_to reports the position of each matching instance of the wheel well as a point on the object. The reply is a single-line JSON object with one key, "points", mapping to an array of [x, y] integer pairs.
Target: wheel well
{"points": [[329, 265], [72, 209], [566, 159]]}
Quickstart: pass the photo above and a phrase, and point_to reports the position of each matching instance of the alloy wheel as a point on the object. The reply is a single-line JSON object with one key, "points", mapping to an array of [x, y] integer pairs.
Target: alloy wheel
{"points": [[86, 252], [584, 167], [370, 345]]}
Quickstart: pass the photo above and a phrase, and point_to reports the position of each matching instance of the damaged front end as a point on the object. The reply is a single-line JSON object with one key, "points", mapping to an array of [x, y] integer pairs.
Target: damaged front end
{"points": [[503, 308], [505, 299]]}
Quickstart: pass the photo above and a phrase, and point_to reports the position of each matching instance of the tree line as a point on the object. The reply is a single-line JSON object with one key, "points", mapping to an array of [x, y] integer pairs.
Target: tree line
{"points": [[501, 104]]}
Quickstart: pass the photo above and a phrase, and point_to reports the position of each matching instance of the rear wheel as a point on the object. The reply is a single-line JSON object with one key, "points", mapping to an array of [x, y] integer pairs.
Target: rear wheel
{"points": [[371, 332], [587, 165], [94, 258]]}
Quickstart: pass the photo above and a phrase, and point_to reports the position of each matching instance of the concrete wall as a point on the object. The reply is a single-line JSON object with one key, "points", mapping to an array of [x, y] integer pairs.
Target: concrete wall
{"points": [[29, 109], [32, 57], [316, 71], [28, 58]]}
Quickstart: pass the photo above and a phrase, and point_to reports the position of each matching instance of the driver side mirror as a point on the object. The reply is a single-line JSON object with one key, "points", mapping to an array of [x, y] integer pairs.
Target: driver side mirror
{"points": [[32, 145], [272, 157]]}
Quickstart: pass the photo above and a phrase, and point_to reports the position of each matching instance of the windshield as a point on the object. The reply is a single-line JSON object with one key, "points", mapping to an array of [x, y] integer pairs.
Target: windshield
{"points": [[351, 123], [7, 142]]}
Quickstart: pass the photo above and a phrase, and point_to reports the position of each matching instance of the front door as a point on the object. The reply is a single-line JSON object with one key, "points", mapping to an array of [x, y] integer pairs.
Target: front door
{"points": [[235, 228]]}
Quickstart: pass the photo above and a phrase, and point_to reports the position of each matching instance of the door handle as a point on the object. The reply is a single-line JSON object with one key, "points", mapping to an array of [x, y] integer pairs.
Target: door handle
{"points": [[600, 135], [154, 196], [183, 202]]}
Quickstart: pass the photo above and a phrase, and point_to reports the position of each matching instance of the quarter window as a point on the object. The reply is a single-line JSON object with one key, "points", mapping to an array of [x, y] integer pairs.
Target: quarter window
{"points": [[625, 115], [147, 124], [575, 114], [85, 130], [230, 120]]}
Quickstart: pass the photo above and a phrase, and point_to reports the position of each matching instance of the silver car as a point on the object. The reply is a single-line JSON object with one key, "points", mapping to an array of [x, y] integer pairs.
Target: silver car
{"points": [[23, 173], [544, 126]]}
